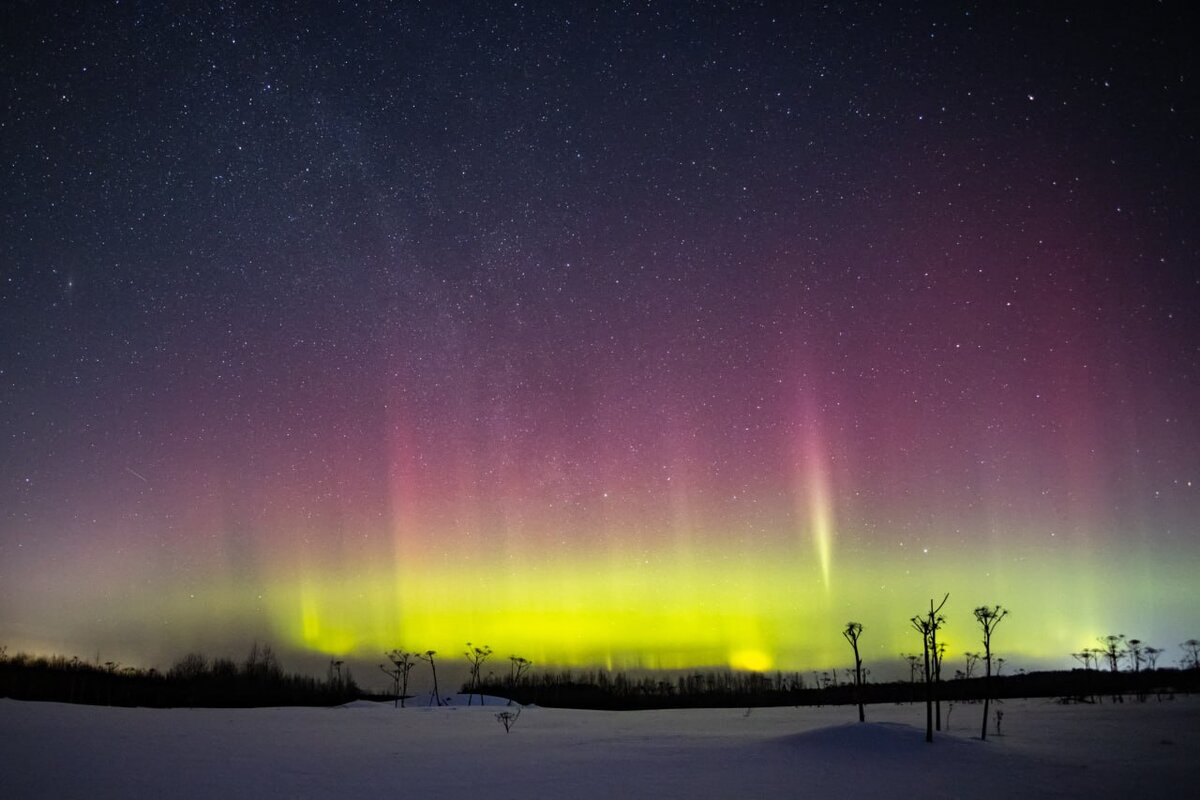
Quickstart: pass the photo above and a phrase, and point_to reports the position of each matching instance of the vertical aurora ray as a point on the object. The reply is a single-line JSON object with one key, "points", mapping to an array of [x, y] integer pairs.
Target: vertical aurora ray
{"points": [[813, 494]]}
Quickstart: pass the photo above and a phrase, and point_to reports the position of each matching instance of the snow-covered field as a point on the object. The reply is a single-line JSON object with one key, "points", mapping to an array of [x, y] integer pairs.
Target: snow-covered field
{"points": [[1135, 750]]}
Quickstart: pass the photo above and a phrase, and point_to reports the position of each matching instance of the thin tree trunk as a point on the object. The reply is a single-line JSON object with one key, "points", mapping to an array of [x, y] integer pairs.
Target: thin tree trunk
{"points": [[928, 697], [437, 694], [858, 684], [987, 696], [937, 688]]}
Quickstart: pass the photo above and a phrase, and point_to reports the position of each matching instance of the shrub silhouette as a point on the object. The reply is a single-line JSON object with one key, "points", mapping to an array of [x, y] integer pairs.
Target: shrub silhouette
{"points": [[508, 719]]}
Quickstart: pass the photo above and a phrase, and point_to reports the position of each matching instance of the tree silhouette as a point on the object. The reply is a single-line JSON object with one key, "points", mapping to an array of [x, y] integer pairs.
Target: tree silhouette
{"points": [[1191, 654], [1135, 654], [927, 626], [519, 667], [475, 657], [988, 617], [972, 660], [1113, 650], [1152, 654], [428, 656], [1088, 658], [402, 665], [852, 631], [189, 668], [913, 665]]}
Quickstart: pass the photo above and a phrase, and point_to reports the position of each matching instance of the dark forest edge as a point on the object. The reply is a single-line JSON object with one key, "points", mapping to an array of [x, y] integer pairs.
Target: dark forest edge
{"points": [[726, 689], [259, 680], [194, 681]]}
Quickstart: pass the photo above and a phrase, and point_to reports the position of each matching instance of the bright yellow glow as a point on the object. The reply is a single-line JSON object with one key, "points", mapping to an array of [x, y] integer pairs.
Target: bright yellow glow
{"points": [[766, 609], [760, 611], [750, 660]]}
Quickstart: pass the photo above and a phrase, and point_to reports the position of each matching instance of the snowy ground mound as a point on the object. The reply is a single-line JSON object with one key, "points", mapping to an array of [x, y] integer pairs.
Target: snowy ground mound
{"points": [[877, 738]]}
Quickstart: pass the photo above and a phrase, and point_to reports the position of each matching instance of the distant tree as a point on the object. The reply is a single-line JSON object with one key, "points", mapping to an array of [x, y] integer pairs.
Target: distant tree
{"points": [[1088, 657], [402, 665], [927, 625], [1134, 652], [1152, 654], [852, 631], [428, 656], [475, 657], [189, 668], [913, 665], [520, 666], [1114, 650], [335, 672], [1191, 654], [972, 659], [988, 618], [262, 665]]}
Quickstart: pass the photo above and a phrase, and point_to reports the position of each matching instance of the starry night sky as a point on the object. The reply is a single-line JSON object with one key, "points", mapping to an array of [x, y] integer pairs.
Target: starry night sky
{"points": [[665, 334]]}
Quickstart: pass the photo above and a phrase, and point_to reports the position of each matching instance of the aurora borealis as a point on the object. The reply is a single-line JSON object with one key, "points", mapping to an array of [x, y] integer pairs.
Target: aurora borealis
{"points": [[664, 335]]}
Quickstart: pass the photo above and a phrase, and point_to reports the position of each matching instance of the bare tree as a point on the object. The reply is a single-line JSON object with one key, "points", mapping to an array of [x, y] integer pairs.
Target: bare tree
{"points": [[988, 617], [927, 626], [1114, 650], [519, 667], [1088, 658], [852, 631], [402, 665], [972, 659], [913, 665], [1135, 654], [190, 667], [428, 656], [475, 657], [1152, 654], [1191, 654]]}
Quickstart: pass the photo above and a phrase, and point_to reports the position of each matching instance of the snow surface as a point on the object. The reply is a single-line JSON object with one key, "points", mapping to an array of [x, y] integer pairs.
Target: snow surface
{"points": [[374, 750]]}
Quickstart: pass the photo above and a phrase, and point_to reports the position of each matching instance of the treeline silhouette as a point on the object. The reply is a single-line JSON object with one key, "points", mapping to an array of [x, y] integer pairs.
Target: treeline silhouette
{"points": [[724, 688], [193, 681]]}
